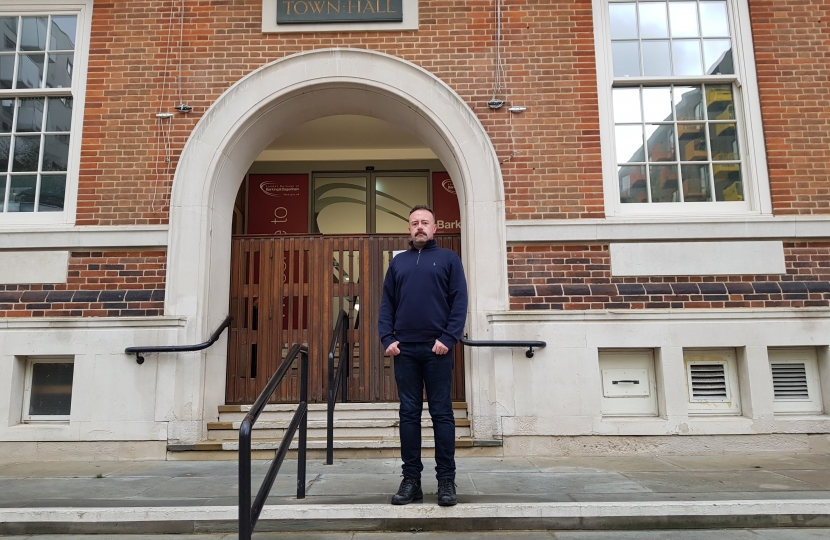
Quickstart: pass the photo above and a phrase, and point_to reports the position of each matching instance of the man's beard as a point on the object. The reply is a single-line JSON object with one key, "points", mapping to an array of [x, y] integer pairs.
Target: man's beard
{"points": [[420, 240]]}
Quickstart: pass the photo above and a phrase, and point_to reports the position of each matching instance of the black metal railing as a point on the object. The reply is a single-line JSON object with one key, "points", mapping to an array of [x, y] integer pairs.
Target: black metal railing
{"points": [[248, 513], [337, 380], [138, 351], [529, 344]]}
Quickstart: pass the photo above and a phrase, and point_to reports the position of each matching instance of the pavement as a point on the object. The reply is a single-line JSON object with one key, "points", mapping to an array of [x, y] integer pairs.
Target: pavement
{"points": [[760, 491]]}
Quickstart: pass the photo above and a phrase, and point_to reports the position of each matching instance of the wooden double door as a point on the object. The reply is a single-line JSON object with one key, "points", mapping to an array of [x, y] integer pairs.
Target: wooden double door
{"points": [[287, 290]]}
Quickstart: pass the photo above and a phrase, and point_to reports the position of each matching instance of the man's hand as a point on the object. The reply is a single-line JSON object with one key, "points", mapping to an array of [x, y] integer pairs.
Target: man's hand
{"points": [[439, 348], [393, 349]]}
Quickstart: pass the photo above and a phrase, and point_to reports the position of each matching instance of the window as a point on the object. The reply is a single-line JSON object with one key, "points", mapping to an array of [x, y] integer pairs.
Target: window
{"points": [[712, 381], [680, 119], [48, 392]]}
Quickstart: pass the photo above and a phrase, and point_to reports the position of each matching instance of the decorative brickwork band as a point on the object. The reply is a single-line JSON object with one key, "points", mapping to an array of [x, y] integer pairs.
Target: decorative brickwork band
{"points": [[578, 277]]}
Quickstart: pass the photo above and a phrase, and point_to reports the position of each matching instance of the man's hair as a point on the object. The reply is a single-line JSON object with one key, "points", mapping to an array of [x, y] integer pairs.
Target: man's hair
{"points": [[422, 207]]}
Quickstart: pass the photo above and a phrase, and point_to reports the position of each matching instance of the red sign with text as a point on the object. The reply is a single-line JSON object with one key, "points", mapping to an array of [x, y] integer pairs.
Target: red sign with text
{"points": [[445, 204], [278, 204]]}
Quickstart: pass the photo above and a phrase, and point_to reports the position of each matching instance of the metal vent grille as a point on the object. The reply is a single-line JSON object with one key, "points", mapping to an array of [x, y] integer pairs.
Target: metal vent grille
{"points": [[789, 382], [709, 382]]}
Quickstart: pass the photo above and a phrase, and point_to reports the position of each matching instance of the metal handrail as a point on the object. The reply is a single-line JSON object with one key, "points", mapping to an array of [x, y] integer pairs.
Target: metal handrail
{"points": [[496, 343], [139, 358], [341, 333], [248, 513]]}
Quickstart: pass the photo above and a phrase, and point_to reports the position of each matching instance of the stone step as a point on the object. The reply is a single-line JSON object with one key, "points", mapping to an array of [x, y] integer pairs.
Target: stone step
{"points": [[339, 433], [315, 443], [317, 411]]}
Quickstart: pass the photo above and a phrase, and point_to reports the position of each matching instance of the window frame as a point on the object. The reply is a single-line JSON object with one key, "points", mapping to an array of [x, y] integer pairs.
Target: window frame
{"points": [[27, 390], [82, 9], [755, 177]]}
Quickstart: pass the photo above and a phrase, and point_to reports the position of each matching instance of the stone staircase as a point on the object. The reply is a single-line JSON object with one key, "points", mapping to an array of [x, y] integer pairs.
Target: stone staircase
{"points": [[360, 430]]}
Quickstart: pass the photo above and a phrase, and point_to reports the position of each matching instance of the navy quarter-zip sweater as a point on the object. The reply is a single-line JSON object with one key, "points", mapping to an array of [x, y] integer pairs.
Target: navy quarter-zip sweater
{"points": [[424, 297]]}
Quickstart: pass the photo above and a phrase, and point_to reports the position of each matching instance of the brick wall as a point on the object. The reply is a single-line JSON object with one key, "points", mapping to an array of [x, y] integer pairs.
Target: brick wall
{"points": [[99, 284], [578, 277]]}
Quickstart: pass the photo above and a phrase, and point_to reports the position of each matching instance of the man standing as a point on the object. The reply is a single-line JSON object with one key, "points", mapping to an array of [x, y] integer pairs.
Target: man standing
{"points": [[422, 315]]}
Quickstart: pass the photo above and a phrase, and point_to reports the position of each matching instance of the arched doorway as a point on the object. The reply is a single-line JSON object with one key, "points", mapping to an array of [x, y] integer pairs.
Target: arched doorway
{"points": [[277, 98]]}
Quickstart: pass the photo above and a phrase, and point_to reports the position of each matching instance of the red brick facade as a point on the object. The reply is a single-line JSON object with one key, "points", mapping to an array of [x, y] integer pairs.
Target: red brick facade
{"points": [[578, 277], [100, 284]]}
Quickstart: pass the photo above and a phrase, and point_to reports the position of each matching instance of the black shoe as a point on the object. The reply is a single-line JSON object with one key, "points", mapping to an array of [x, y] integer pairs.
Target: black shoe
{"points": [[446, 492], [409, 491]]}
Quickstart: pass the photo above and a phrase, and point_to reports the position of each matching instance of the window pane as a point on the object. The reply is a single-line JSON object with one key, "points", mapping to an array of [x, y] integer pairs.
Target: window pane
{"points": [[633, 184], [623, 21], [8, 27], [30, 71], [657, 104], [656, 58], [55, 152], [687, 57], [696, 183], [340, 205], [394, 197], [63, 33], [59, 70], [59, 116], [626, 55], [688, 102], [5, 143], [719, 102], [683, 17], [26, 153], [22, 193], [627, 106], [713, 19], [664, 183], [51, 389], [717, 57], [653, 22], [629, 141], [2, 191], [660, 141], [52, 192], [724, 140], [30, 115], [6, 70], [6, 116], [692, 140], [33, 34], [728, 185]]}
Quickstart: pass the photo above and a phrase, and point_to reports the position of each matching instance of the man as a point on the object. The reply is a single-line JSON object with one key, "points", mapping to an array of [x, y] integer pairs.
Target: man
{"points": [[422, 315]]}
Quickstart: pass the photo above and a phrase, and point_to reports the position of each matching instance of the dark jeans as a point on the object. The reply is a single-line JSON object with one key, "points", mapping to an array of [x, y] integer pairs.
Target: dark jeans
{"points": [[418, 367]]}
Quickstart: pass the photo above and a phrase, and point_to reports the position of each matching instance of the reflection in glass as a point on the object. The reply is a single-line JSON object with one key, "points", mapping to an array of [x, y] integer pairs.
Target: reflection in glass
{"points": [[692, 140], [627, 106], [656, 58], [724, 141], [59, 116], [683, 18], [626, 56], [660, 142], [22, 193], [657, 104], [33, 34], [5, 143], [51, 389], [6, 116], [713, 19], [664, 183], [623, 21], [695, 183], [8, 33], [6, 70], [52, 192], [653, 22], [688, 102], [719, 105], [63, 33], [394, 197], [717, 57], [55, 152], [728, 184], [340, 205], [629, 141], [59, 70], [30, 71], [2, 192], [687, 57], [30, 115], [26, 153], [633, 184]]}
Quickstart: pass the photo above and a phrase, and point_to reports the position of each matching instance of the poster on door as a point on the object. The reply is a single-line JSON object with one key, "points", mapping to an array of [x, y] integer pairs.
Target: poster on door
{"points": [[445, 204], [278, 204]]}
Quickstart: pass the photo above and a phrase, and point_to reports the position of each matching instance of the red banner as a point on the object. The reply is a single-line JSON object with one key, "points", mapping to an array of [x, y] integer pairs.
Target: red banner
{"points": [[445, 204], [278, 204]]}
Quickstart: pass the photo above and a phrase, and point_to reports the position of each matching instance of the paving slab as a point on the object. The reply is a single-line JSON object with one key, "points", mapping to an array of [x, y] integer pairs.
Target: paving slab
{"points": [[720, 481], [737, 463], [601, 464], [553, 483], [818, 478]]}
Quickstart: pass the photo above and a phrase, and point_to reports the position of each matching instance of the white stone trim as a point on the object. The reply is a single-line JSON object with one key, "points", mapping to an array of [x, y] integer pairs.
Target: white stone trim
{"points": [[51, 323], [85, 238], [28, 267], [270, 26], [698, 258], [737, 314]]}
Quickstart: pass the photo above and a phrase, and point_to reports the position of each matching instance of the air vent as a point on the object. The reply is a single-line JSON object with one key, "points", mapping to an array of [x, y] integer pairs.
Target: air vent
{"points": [[789, 382], [708, 382]]}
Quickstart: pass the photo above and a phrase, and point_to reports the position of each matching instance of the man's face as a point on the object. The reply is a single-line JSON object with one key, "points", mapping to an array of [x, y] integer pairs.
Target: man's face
{"points": [[422, 227]]}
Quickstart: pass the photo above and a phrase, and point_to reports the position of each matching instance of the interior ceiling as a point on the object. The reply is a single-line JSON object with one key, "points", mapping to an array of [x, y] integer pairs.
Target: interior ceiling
{"points": [[346, 137]]}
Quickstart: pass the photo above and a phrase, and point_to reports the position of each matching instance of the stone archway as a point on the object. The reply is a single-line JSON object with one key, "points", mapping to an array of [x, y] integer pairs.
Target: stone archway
{"points": [[273, 100]]}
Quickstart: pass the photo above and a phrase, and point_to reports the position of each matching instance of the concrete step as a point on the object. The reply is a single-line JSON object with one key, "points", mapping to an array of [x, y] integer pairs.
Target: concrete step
{"points": [[344, 429], [319, 443], [317, 411]]}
